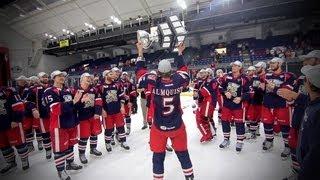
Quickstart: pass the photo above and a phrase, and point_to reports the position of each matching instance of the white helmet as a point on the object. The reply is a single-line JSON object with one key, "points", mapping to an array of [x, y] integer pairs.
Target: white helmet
{"points": [[164, 66]]}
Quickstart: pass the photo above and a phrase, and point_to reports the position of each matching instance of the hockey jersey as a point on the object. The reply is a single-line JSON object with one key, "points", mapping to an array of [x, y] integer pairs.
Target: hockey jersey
{"points": [[238, 87], [165, 95], [35, 96], [86, 110], [143, 84], [62, 111], [208, 97], [273, 83], [112, 96], [257, 93], [129, 90], [11, 108]]}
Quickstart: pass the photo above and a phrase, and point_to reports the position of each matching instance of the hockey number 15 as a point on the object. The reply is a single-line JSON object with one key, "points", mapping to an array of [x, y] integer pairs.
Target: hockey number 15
{"points": [[168, 106]]}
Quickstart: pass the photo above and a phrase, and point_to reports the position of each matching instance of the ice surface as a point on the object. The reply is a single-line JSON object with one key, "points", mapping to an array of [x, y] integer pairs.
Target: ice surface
{"points": [[208, 160]]}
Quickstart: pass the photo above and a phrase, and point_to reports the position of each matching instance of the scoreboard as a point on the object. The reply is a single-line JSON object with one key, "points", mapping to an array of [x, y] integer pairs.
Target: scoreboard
{"points": [[64, 43]]}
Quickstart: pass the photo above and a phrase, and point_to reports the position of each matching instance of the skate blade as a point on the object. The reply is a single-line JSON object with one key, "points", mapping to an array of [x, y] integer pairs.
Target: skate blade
{"points": [[285, 158], [75, 171], [267, 151]]}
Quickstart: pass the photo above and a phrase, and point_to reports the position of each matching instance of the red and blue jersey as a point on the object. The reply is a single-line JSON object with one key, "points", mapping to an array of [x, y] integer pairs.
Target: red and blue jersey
{"points": [[112, 96], [62, 111], [86, 110], [35, 97], [256, 97], [165, 94], [11, 107], [143, 84], [238, 87], [129, 90], [208, 93], [275, 82]]}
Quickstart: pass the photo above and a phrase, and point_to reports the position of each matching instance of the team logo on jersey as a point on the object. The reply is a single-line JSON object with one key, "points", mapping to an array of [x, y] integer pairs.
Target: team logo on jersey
{"points": [[89, 103], [233, 88], [67, 98], [302, 89], [256, 83], [3, 110], [272, 83], [111, 96]]}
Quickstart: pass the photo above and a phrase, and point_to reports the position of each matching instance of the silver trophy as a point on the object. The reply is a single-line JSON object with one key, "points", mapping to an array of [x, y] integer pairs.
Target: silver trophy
{"points": [[148, 39], [166, 35]]}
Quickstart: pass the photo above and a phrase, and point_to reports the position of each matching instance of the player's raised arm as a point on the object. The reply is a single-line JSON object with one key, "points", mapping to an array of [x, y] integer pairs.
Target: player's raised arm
{"points": [[141, 69], [181, 66]]}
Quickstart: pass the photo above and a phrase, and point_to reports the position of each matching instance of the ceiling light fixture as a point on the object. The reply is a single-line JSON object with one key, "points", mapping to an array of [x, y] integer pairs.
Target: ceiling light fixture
{"points": [[182, 4]]}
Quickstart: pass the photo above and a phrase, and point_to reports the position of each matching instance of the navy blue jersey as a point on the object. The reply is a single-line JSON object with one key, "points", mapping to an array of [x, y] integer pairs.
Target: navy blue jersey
{"points": [[257, 92], [129, 90], [112, 96], [86, 110], [275, 82], [143, 84], [165, 95], [62, 111], [22, 91], [238, 87], [11, 108]]}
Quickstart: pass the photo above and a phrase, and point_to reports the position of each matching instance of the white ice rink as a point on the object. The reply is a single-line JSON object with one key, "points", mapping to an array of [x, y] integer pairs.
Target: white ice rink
{"points": [[209, 162]]}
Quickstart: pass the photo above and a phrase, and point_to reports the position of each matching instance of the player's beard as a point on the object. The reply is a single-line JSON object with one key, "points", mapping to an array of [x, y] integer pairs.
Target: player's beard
{"points": [[110, 79], [44, 82], [276, 68], [259, 72]]}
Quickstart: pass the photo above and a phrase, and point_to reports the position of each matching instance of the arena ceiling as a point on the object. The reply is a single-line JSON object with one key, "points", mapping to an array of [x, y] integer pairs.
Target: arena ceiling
{"points": [[34, 18]]}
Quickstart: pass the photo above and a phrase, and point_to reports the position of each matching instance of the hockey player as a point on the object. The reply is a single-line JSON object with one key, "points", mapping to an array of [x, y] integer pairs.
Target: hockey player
{"points": [[29, 118], [113, 99], [89, 109], [130, 91], [276, 108], [255, 102], [235, 90], [213, 89], [201, 76], [206, 103], [11, 130], [42, 116], [219, 74], [22, 86], [63, 123], [250, 73], [39, 113], [164, 92]]}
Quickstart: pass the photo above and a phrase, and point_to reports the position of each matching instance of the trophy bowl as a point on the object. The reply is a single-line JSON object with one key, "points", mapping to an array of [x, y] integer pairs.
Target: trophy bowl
{"points": [[144, 37]]}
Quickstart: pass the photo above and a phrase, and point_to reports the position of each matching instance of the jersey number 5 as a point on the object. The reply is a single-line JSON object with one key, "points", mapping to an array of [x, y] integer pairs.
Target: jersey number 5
{"points": [[168, 106]]}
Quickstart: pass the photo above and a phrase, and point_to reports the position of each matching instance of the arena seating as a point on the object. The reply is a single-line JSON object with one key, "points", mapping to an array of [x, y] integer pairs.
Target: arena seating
{"points": [[238, 50]]}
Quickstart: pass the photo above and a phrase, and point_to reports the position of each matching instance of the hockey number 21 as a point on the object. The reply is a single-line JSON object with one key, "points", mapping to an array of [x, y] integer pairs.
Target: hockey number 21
{"points": [[168, 106]]}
